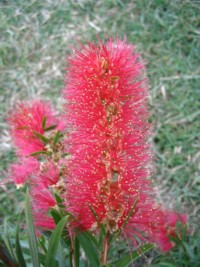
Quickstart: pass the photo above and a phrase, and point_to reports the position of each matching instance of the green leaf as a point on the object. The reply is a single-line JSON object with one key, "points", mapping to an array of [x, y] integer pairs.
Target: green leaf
{"points": [[9, 247], [58, 198], [90, 250], [19, 253], [94, 213], [52, 127], [92, 238], [189, 251], [41, 256], [7, 241], [174, 239], [56, 216], [39, 153], [41, 137], [76, 251], [164, 264], [184, 233], [61, 256], [56, 137], [53, 243], [118, 232], [127, 259], [31, 232], [64, 155], [102, 234], [42, 242], [130, 213], [44, 122]]}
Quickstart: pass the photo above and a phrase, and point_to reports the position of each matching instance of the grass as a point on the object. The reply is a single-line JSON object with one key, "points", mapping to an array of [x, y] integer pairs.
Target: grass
{"points": [[36, 37]]}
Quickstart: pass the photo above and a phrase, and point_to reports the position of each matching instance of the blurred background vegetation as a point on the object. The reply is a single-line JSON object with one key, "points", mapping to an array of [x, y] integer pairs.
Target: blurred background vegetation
{"points": [[35, 39]]}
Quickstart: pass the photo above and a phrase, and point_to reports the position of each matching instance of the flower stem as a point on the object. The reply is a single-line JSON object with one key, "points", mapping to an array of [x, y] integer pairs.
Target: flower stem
{"points": [[104, 255]]}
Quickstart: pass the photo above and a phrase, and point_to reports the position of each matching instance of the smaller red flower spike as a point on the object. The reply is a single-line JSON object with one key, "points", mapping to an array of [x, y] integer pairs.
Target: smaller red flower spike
{"points": [[106, 113], [21, 172], [170, 229], [42, 203], [49, 174], [26, 121], [34, 127]]}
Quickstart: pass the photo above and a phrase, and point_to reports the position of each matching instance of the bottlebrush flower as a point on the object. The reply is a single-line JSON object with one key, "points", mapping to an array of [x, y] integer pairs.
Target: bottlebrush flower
{"points": [[26, 122], [111, 158], [42, 203], [169, 228], [21, 172], [37, 132], [49, 174]]}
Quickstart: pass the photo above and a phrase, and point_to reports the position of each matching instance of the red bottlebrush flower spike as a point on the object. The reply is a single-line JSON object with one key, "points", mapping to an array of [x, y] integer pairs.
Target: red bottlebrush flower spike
{"points": [[107, 117], [42, 202], [49, 175], [37, 133], [169, 229], [26, 123], [20, 172]]}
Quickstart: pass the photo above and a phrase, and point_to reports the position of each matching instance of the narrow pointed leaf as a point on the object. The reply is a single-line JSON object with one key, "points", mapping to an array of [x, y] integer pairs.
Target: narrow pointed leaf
{"points": [[127, 259], [189, 251], [94, 213], [76, 251], [92, 238], [164, 264], [19, 252], [90, 250], [118, 232], [61, 256], [7, 241], [102, 234], [54, 242], [39, 153], [64, 155], [41, 137], [52, 127], [31, 232], [184, 232], [9, 247], [56, 216], [130, 213], [42, 242], [42, 257], [44, 122], [56, 137], [175, 239], [58, 199]]}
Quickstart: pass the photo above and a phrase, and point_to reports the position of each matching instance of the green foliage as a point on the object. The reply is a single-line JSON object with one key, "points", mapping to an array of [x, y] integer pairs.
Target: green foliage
{"points": [[56, 137], [132, 256], [41, 137], [89, 248], [54, 242], [60, 250], [186, 253], [44, 122], [19, 252], [31, 232]]}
